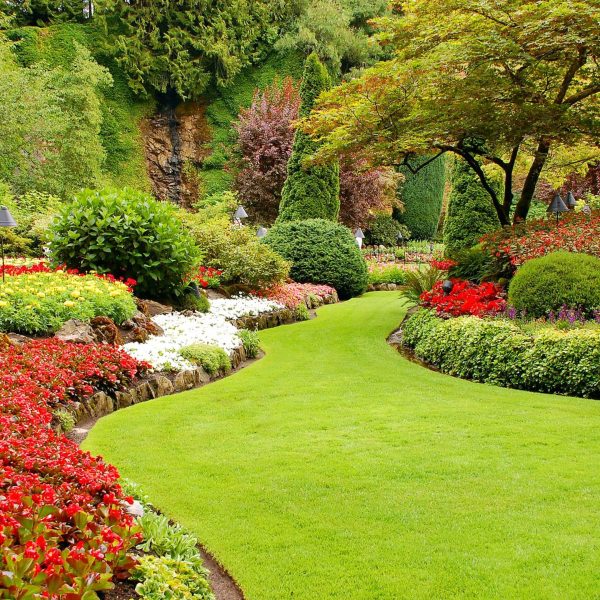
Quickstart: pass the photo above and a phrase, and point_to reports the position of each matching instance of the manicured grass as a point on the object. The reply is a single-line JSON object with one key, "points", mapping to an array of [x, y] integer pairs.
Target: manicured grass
{"points": [[334, 468]]}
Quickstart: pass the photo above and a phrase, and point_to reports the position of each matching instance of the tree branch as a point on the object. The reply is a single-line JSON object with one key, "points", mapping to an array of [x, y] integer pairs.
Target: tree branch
{"points": [[582, 95], [570, 74]]}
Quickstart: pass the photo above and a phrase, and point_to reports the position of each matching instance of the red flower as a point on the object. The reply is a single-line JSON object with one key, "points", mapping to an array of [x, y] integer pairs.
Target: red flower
{"points": [[465, 299]]}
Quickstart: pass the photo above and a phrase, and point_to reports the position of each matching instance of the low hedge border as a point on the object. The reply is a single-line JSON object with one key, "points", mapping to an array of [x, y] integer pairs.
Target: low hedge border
{"points": [[500, 353]]}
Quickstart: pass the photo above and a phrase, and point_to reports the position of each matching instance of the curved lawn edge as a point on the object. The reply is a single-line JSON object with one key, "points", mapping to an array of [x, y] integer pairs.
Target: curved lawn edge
{"points": [[271, 466]]}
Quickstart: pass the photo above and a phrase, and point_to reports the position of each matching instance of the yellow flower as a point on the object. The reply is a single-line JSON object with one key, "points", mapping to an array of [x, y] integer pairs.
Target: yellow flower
{"points": [[76, 294], [3, 303], [69, 303], [41, 295]]}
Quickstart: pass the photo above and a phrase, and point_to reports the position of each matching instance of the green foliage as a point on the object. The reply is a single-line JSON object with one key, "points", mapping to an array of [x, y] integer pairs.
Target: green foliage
{"points": [[251, 342], [387, 274], [33, 12], [162, 577], [190, 301], [236, 251], [321, 252], [65, 419], [474, 264], [383, 230], [559, 279], [421, 280], [310, 192], [211, 358], [500, 353], [39, 303], [126, 233], [422, 195], [301, 312], [470, 212]]}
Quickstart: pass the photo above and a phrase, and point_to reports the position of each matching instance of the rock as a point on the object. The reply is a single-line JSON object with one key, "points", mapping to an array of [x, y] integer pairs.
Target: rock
{"points": [[99, 404], [152, 308], [15, 339], [160, 386], [124, 399], [142, 393], [77, 332], [106, 331], [214, 295], [185, 380]]}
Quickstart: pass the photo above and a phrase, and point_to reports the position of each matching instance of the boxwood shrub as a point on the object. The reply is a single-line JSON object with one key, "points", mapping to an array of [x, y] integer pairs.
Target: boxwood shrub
{"points": [[559, 279], [499, 352], [321, 252]]}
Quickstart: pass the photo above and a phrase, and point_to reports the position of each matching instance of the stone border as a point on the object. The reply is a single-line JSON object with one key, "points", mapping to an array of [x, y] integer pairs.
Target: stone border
{"points": [[385, 287]]}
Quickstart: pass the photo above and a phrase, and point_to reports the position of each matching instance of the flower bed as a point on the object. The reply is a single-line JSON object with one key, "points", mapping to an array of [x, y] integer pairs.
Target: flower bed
{"points": [[465, 299], [292, 295], [386, 273], [501, 352], [39, 302], [576, 232], [64, 529]]}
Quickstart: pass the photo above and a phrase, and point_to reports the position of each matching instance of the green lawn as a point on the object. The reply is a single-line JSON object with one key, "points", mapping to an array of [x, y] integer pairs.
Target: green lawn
{"points": [[334, 468]]}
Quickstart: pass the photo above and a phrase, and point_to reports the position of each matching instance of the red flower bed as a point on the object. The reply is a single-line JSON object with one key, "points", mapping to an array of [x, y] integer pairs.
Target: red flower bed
{"points": [[64, 531], [576, 232], [43, 267], [443, 265], [466, 298], [292, 295], [207, 277]]}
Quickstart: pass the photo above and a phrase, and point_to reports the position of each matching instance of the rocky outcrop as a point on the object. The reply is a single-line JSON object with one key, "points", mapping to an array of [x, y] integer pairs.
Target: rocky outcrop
{"points": [[175, 143]]}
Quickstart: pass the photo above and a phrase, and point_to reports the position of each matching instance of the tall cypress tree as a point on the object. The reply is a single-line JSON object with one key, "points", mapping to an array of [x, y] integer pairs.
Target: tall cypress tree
{"points": [[310, 192]]}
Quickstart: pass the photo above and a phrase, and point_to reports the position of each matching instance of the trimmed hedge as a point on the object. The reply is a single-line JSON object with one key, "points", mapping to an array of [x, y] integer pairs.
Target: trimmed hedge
{"points": [[321, 252], [559, 279], [423, 196], [383, 231], [471, 213], [499, 353]]}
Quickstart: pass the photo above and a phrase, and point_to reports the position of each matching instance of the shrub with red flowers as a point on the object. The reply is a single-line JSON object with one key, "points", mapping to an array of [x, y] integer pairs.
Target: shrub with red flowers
{"points": [[575, 232], [64, 529], [466, 298], [443, 264], [292, 295], [208, 277]]}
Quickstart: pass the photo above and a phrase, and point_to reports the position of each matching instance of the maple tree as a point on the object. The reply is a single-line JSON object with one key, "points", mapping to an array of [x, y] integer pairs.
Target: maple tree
{"points": [[510, 83]]}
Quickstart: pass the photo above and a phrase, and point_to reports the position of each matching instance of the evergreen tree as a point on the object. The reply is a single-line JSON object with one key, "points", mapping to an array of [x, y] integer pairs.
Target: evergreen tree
{"points": [[310, 192], [470, 213]]}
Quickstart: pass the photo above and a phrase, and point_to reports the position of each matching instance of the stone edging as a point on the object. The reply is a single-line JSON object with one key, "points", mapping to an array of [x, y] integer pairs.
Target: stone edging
{"points": [[384, 287]]}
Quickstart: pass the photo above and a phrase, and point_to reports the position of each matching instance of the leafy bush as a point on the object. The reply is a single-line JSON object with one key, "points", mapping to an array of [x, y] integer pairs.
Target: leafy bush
{"points": [[39, 303], [470, 210], [499, 352], [211, 358], [383, 231], [236, 251], [473, 264], [379, 274], [420, 281], [129, 233], [321, 252], [190, 301], [302, 313], [251, 342], [559, 279]]}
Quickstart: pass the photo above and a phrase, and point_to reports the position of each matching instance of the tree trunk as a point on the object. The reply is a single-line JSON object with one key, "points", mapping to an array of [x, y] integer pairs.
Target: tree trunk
{"points": [[531, 180]]}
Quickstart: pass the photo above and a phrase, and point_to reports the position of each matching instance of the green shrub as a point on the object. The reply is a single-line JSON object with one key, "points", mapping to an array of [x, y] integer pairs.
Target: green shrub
{"points": [[190, 301], [128, 233], [383, 231], [422, 195], [39, 303], [421, 280], [500, 353], [470, 211], [321, 252], [559, 279], [251, 342], [65, 419], [474, 264], [310, 192], [301, 312], [387, 274], [211, 358], [236, 251]]}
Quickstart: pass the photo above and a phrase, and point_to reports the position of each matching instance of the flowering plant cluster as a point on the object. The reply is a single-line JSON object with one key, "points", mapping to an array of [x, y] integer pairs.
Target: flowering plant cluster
{"points": [[443, 264], [466, 298], [576, 232], [208, 277], [291, 295], [40, 302], [64, 529], [565, 316]]}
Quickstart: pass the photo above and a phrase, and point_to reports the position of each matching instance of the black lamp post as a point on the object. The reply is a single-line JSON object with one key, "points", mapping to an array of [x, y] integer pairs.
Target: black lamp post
{"points": [[447, 286], [6, 220], [557, 206]]}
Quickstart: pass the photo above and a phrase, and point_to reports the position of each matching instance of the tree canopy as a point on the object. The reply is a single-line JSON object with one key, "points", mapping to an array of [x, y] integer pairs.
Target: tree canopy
{"points": [[511, 83]]}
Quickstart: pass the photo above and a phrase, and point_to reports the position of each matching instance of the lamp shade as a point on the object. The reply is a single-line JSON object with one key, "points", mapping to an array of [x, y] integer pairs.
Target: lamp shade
{"points": [[240, 213], [359, 235], [262, 231], [570, 201], [586, 210], [557, 206], [6, 219], [399, 237]]}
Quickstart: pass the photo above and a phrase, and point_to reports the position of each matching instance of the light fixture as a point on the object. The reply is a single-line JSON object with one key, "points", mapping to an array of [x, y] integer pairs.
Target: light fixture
{"points": [[586, 209], [447, 286], [570, 201], [6, 220], [359, 236], [239, 215], [557, 206], [262, 231]]}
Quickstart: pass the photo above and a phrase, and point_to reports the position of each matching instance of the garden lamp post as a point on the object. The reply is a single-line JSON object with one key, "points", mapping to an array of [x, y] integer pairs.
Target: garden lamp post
{"points": [[6, 220], [447, 286], [400, 242], [587, 209], [557, 206], [262, 231], [570, 201], [359, 236], [239, 215]]}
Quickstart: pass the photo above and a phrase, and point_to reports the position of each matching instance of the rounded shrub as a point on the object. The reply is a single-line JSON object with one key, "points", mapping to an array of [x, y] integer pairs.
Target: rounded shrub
{"points": [[384, 230], [125, 233], [321, 252], [559, 279]]}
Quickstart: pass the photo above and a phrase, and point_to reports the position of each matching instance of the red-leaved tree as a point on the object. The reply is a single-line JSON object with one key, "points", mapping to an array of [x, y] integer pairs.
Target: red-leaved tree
{"points": [[265, 137]]}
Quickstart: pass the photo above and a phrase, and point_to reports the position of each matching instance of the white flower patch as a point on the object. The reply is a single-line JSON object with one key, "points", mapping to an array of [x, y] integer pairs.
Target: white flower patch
{"points": [[162, 351]]}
